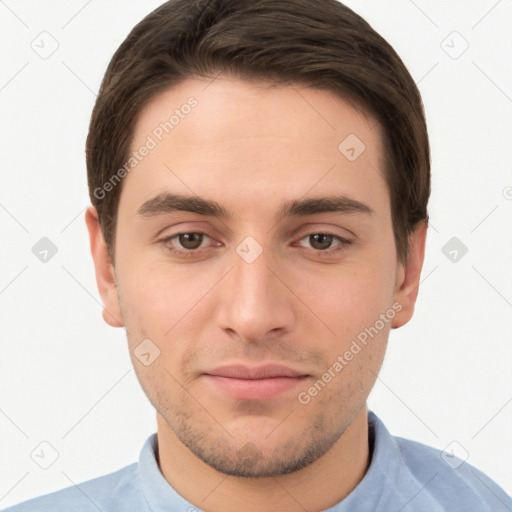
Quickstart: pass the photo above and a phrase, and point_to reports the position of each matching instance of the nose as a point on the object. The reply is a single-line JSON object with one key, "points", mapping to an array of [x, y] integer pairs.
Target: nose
{"points": [[255, 302]]}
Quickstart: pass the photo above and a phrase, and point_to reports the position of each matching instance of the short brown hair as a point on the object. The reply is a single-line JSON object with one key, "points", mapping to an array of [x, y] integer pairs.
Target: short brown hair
{"points": [[321, 44]]}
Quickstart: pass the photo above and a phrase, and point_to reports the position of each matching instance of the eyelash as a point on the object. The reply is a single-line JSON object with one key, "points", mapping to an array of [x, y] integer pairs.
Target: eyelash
{"points": [[344, 243]]}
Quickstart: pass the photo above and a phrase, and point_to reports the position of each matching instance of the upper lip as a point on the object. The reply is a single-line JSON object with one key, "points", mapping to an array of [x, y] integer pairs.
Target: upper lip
{"points": [[267, 371]]}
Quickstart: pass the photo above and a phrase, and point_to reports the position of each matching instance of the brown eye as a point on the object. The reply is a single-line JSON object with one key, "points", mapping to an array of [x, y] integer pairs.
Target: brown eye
{"points": [[190, 240], [325, 244], [321, 241], [185, 244]]}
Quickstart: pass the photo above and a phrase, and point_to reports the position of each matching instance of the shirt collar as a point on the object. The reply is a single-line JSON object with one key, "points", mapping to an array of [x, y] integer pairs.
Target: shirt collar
{"points": [[159, 494], [380, 480], [372, 492]]}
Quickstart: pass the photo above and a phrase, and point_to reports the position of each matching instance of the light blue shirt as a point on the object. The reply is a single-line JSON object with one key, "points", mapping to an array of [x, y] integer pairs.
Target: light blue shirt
{"points": [[403, 476]]}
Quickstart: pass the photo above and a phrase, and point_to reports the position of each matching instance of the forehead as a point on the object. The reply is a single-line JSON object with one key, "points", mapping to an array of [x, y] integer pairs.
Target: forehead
{"points": [[246, 140]]}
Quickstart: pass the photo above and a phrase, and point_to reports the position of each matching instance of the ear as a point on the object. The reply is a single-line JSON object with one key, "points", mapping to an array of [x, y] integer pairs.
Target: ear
{"points": [[105, 275], [408, 279]]}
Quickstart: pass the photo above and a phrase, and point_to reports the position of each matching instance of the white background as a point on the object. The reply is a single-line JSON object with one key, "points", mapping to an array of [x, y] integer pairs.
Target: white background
{"points": [[66, 377]]}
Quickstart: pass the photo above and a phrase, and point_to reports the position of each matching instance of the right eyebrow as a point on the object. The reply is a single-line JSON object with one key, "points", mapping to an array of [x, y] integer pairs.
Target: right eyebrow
{"points": [[167, 203]]}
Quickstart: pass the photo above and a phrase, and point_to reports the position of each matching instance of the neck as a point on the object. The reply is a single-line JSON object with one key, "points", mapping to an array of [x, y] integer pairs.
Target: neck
{"points": [[318, 486]]}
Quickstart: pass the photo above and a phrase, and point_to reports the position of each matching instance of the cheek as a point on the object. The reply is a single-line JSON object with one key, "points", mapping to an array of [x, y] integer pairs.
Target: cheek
{"points": [[158, 297], [349, 298], [158, 304]]}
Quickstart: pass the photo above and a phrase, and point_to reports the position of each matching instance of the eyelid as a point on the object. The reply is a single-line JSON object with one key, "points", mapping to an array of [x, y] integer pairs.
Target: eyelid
{"points": [[176, 235], [313, 228], [184, 227], [340, 238]]}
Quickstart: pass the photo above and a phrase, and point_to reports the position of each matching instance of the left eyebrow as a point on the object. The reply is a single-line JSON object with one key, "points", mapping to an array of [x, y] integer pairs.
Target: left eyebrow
{"points": [[328, 204], [166, 203]]}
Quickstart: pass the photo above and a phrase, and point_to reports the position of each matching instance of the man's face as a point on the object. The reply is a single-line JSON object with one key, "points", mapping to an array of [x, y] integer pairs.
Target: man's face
{"points": [[256, 290]]}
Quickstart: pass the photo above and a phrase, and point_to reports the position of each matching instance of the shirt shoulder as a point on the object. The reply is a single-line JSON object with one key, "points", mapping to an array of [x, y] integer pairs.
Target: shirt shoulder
{"points": [[409, 476], [109, 493], [448, 481]]}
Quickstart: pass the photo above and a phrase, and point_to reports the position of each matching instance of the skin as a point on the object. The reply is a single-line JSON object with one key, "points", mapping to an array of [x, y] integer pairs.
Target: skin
{"points": [[250, 147]]}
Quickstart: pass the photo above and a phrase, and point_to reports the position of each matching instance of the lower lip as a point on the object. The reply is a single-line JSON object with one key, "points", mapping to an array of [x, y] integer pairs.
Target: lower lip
{"points": [[255, 389]]}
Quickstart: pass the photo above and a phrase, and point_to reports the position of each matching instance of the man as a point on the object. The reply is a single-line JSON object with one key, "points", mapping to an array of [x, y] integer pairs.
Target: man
{"points": [[259, 173]]}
